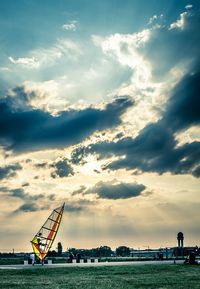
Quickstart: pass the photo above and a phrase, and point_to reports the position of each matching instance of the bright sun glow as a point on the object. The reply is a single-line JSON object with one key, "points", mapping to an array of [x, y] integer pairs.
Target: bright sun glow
{"points": [[91, 167]]}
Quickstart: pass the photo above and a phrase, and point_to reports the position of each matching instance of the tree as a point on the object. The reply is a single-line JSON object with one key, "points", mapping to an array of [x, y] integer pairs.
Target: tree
{"points": [[123, 251], [104, 251], [52, 253]]}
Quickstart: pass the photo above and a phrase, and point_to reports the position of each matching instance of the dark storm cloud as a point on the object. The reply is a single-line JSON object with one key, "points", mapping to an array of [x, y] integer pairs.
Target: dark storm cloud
{"points": [[20, 99], [169, 47], [160, 156], [183, 109], [114, 191], [30, 207], [9, 171], [72, 208], [196, 172], [30, 201], [155, 148], [62, 169], [36, 130], [19, 193]]}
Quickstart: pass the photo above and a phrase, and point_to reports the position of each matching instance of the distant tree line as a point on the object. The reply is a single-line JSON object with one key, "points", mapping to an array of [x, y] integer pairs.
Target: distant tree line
{"points": [[7, 255], [102, 251], [99, 252]]}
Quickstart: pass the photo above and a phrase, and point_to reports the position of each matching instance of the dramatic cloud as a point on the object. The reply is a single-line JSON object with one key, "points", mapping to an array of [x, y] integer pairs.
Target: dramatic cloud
{"points": [[36, 130], [184, 105], [158, 49], [114, 190], [168, 48], [19, 193], [19, 99], [100, 109], [30, 200], [9, 171], [62, 169], [155, 148], [30, 207]]}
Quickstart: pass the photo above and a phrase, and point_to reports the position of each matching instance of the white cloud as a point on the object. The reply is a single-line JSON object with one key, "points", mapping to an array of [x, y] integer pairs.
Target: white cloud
{"points": [[189, 6], [188, 136], [152, 19], [126, 49], [71, 26], [4, 68], [30, 62], [43, 57], [63, 48], [180, 23], [97, 40], [155, 18], [48, 95]]}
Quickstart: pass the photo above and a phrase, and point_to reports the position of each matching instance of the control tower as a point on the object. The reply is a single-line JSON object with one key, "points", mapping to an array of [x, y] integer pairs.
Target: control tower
{"points": [[180, 238]]}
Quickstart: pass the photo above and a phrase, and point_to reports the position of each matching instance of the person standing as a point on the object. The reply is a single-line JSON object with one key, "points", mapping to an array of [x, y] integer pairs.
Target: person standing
{"points": [[71, 257], [32, 257]]}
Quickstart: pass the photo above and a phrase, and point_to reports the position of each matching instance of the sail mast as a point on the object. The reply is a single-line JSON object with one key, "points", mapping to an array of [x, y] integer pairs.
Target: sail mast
{"points": [[45, 237]]}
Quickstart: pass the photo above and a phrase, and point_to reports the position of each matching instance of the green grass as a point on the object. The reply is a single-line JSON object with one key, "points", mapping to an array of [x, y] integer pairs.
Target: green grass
{"points": [[11, 261], [116, 277]]}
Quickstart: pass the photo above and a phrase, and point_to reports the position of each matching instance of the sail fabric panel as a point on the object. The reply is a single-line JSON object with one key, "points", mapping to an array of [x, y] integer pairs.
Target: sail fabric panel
{"points": [[54, 228], [43, 240], [35, 246]]}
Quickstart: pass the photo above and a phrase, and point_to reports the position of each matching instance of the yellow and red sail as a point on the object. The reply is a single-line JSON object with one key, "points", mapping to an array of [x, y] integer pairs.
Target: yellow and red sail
{"points": [[43, 240]]}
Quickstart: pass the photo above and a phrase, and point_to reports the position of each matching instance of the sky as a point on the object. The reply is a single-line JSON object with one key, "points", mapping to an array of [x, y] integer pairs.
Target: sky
{"points": [[100, 109]]}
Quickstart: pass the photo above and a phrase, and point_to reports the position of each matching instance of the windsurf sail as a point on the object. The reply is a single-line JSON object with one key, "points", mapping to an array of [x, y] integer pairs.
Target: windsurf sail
{"points": [[43, 240]]}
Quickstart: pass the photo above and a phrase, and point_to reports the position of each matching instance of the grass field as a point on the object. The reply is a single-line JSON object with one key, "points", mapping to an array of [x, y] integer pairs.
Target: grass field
{"points": [[116, 277]]}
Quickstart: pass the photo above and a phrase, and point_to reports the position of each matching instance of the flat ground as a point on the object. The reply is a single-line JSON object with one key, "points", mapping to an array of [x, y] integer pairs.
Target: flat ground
{"points": [[118, 277]]}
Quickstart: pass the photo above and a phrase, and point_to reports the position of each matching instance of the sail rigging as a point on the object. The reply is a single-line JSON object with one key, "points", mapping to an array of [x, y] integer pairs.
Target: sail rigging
{"points": [[43, 240]]}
